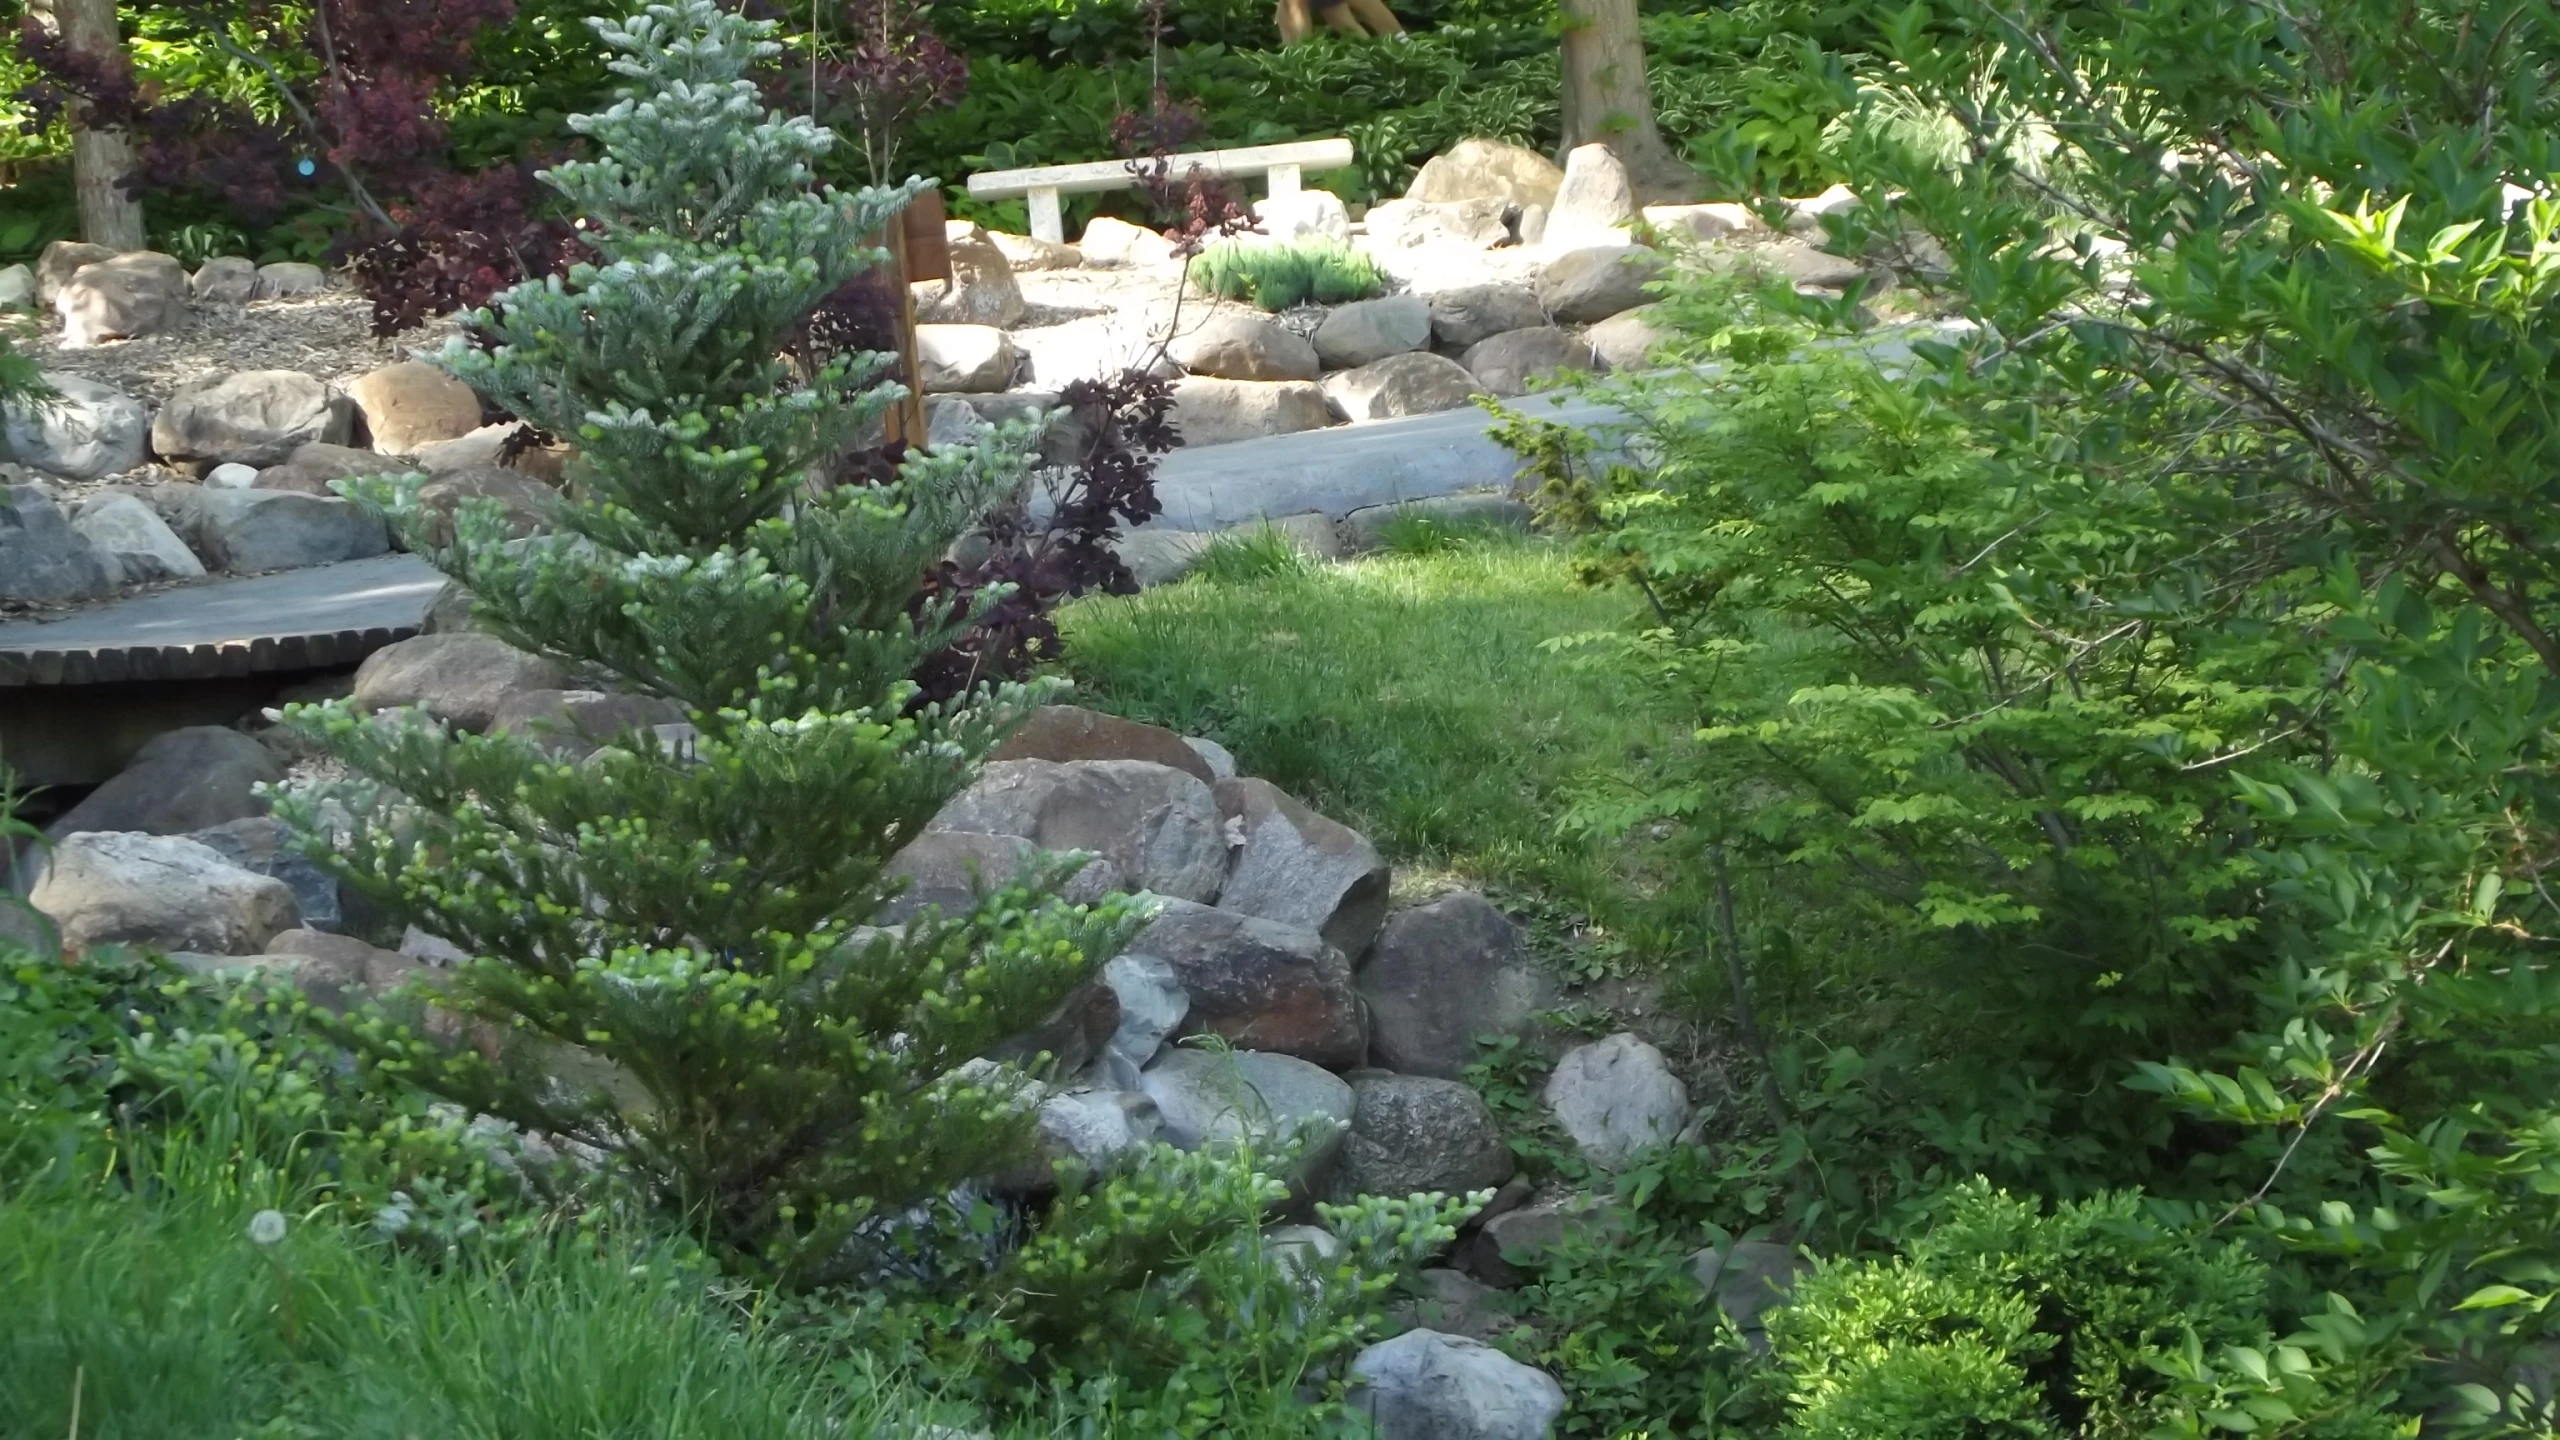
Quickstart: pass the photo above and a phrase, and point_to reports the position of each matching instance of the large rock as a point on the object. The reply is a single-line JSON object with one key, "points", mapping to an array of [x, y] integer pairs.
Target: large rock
{"points": [[256, 417], [249, 532], [951, 422], [1209, 1096], [1748, 1279], [59, 261], [1259, 984], [284, 278], [262, 845], [43, 560], [1155, 826], [1110, 242], [1586, 286], [1028, 253], [1097, 1129], [180, 780], [1596, 201], [1365, 330], [1160, 557], [965, 359], [141, 292], [463, 679], [225, 280], [85, 430], [1442, 974], [950, 869], [17, 287], [1616, 1098], [180, 504], [1517, 361], [1240, 345], [1799, 264], [1516, 1244], [484, 446], [162, 891], [1209, 411], [1705, 224], [137, 545], [1479, 169], [1301, 869], [981, 289], [1071, 732], [1417, 383], [1460, 224], [413, 404], [1626, 341], [338, 972], [1471, 314], [1424, 1385], [1152, 1004], [1805, 216], [523, 502], [573, 724], [311, 468], [1304, 215], [1411, 1134]]}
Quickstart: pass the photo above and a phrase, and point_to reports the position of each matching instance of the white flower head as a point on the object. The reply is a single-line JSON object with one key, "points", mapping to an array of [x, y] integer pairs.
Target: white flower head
{"points": [[266, 1227]]}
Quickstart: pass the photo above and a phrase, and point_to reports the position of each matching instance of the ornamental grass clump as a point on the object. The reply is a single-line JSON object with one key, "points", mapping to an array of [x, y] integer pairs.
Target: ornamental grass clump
{"points": [[672, 960]]}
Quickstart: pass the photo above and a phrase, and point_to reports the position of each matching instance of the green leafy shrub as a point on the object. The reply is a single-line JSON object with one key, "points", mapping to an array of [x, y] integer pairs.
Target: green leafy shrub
{"points": [[1282, 277], [670, 941]]}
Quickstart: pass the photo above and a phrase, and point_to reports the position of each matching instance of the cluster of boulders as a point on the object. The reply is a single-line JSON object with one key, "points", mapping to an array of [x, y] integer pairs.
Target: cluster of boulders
{"points": [[102, 294], [1570, 294], [1320, 1003], [232, 472]]}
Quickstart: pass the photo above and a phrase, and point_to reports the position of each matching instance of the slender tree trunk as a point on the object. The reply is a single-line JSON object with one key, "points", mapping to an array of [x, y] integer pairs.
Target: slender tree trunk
{"points": [[100, 159], [1606, 98]]}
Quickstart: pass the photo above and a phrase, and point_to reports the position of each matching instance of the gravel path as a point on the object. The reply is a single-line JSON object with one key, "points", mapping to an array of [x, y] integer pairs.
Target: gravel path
{"points": [[327, 335]]}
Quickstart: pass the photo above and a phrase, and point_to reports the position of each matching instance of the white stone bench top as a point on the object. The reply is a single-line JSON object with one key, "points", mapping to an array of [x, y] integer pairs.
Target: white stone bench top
{"points": [[1281, 164]]}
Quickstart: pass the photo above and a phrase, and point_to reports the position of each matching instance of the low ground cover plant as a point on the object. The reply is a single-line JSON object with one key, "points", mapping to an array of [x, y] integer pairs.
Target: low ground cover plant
{"points": [[1283, 276]]}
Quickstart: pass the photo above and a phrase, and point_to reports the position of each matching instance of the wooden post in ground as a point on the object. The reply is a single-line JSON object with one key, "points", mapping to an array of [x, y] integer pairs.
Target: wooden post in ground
{"points": [[918, 252]]}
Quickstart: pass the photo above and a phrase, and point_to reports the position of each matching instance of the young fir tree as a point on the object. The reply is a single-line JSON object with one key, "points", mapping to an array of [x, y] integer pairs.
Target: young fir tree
{"points": [[777, 1071]]}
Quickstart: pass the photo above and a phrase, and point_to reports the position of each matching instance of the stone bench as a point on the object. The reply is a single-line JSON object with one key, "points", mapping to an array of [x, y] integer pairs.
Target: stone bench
{"points": [[1279, 165]]}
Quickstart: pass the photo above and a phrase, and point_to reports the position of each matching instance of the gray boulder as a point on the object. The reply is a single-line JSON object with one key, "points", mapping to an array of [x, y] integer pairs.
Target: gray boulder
{"points": [[1423, 1385], [1748, 1279], [524, 503], [1442, 974], [161, 891], [463, 680], [1220, 760], [1301, 869], [1155, 826], [338, 972], [1210, 411], [1517, 361], [43, 561], [17, 287], [574, 723], [225, 280], [1616, 1098], [413, 404], [1110, 242], [1071, 732], [256, 417], [1356, 334], [1212, 1097], [1798, 263], [135, 542], [1470, 224], [1595, 201], [1479, 169], [963, 359], [231, 475], [59, 261], [1258, 984], [1098, 1129], [1240, 345], [1453, 1303], [1514, 1245], [1626, 341], [1586, 286], [180, 780], [1416, 383], [1411, 1134], [141, 292], [950, 421], [84, 430], [950, 869], [1152, 1004], [248, 532], [980, 290], [310, 469], [282, 278], [262, 845], [1473, 313]]}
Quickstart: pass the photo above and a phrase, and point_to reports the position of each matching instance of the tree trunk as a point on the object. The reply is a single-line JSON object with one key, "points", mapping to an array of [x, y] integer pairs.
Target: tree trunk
{"points": [[1606, 98], [100, 159]]}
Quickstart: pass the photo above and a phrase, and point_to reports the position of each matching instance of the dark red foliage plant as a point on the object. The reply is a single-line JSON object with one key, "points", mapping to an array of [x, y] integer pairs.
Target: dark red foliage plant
{"points": [[873, 66]]}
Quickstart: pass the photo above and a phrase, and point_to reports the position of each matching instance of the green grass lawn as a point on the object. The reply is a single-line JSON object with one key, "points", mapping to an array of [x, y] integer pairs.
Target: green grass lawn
{"points": [[1408, 695]]}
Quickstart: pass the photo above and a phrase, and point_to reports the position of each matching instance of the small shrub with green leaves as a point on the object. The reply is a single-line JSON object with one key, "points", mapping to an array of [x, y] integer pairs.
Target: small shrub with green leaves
{"points": [[1279, 277], [671, 943]]}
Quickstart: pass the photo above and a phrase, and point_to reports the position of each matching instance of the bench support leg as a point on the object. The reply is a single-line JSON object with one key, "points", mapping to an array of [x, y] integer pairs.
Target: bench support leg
{"points": [[1045, 221], [1281, 179]]}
